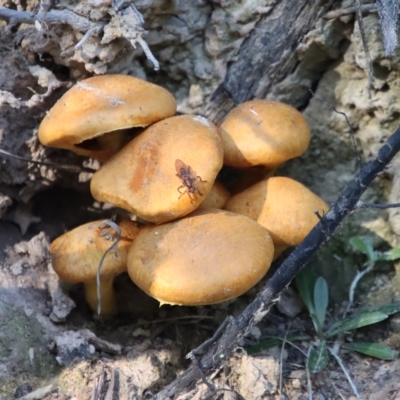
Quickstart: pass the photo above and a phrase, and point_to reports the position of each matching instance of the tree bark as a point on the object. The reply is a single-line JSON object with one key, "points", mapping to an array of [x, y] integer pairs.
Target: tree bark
{"points": [[267, 56]]}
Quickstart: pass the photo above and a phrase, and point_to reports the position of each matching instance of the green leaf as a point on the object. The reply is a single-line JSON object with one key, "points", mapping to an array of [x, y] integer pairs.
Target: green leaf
{"points": [[391, 255], [321, 298], [305, 281], [376, 350], [273, 342], [355, 322], [318, 358], [364, 245], [388, 309]]}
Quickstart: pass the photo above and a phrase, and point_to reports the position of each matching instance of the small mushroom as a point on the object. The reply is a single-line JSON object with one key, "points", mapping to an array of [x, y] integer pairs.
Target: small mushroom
{"points": [[263, 132], [204, 258], [165, 172], [92, 118], [76, 257], [283, 206]]}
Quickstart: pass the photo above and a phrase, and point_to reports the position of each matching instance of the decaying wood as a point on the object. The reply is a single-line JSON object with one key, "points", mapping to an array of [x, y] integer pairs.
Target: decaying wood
{"points": [[267, 56]]}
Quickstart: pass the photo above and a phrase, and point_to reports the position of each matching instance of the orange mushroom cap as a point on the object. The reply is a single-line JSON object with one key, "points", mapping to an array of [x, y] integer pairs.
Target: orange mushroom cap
{"points": [[207, 257], [165, 172], [263, 132], [91, 118], [76, 257], [283, 206]]}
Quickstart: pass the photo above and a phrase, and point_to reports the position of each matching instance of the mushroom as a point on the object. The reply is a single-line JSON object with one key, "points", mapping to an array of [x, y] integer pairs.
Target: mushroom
{"points": [[165, 172], [283, 206], [263, 132], [76, 257], [217, 197], [207, 257], [92, 118]]}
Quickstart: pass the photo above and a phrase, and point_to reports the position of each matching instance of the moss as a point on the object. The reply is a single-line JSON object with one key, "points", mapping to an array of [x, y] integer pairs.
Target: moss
{"points": [[23, 348]]}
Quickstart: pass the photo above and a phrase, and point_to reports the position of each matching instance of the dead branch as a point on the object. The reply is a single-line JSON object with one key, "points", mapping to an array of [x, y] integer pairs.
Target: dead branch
{"points": [[131, 23], [368, 66], [236, 328], [76, 22], [263, 59], [366, 8]]}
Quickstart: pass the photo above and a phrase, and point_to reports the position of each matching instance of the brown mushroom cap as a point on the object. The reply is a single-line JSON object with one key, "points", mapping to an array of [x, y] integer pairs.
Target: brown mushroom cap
{"points": [[76, 256], [106, 104], [142, 177], [283, 206], [263, 132], [205, 258]]}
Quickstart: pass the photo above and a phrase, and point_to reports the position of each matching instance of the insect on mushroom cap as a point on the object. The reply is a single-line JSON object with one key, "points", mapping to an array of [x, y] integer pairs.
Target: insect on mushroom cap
{"points": [[165, 172]]}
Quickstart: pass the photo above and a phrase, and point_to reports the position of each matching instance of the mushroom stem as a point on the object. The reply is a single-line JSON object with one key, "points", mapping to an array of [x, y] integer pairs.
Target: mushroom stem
{"points": [[108, 299]]}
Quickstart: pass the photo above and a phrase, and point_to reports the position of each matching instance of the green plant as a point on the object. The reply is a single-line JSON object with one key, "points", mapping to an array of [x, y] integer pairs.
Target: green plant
{"points": [[329, 340]]}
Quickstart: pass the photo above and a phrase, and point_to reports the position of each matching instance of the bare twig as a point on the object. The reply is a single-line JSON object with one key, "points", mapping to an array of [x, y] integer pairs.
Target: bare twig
{"points": [[387, 11], [147, 51], [281, 363], [97, 388], [365, 8], [110, 391], [111, 248], [334, 351], [101, 344], [361, 204], [65, 167], [131, 21], [371, 78], [354, 284], [90, 32], [353, 139], [77, 22], [194, 318], [130, 18]]}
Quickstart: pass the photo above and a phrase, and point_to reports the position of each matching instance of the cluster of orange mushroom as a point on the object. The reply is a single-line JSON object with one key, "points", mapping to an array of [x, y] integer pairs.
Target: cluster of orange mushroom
{"points": [[198, 245]]}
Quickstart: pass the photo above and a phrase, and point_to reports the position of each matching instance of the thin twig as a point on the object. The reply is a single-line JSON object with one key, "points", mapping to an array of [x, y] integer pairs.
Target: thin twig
{"points": [[185, 317], [147, 51], [361, 204], [85, 37], [77, 22], [352, 133], [65, 167], [203, 347], [334, 352], [336, 389], [111, 248], [98, 387], [110, 391], [308, 372], [354, 284], [281, 363], [371, 78], [367, 8]]}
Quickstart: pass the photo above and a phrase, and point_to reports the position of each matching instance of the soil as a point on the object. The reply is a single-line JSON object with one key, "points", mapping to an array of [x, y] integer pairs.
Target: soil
{"points": [[51, 345]]}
